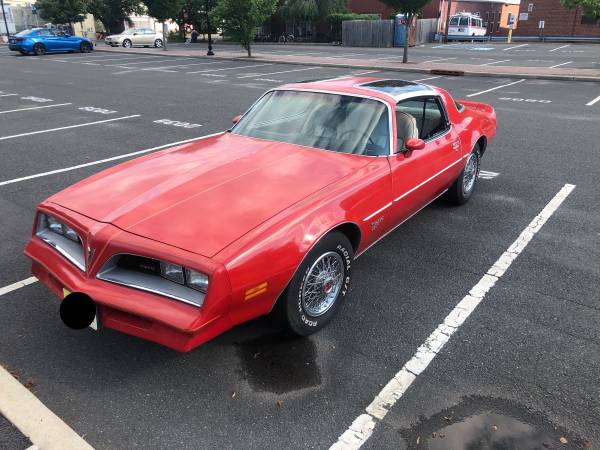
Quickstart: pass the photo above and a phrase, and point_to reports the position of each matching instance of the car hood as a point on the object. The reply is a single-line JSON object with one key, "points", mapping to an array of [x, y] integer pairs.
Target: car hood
{"points": [[204, 195]]}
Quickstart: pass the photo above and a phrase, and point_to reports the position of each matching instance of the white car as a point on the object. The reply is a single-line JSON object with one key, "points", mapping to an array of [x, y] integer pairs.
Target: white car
{"points": [[135, 36]]}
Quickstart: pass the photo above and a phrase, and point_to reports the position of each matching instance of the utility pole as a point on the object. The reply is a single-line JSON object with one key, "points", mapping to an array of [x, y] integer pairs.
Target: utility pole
{"points": [[5, 22], [447, 22]]}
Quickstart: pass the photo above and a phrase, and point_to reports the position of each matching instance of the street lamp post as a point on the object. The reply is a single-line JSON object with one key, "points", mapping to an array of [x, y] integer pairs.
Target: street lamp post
{"points": [[210, 50], [5, 22]]}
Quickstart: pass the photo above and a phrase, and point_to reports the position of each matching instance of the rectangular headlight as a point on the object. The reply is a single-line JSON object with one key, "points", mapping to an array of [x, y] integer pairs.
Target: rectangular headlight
{"points": [[172, 272], [196, 280]]}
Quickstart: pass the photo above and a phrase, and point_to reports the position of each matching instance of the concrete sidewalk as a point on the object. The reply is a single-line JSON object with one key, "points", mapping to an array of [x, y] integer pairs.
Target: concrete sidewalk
{"points": [[376, 64]]}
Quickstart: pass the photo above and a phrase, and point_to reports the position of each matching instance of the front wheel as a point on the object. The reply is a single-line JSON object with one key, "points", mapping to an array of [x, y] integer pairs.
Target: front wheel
{"points": [[39, 49], [85, 47], [158, 43], [23, 52], [319, 286], [127, 43], [461, 190]]}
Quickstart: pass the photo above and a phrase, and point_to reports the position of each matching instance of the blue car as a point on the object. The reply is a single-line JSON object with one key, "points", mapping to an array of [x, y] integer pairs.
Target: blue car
{"points": [[44, 40]]}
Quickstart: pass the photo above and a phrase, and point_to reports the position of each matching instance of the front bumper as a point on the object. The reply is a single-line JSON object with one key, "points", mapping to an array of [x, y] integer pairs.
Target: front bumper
{"points": [[149, 316]]}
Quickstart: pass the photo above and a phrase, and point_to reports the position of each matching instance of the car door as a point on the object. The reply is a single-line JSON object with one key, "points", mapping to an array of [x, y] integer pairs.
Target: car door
{"points": [[420, 176], [49, 39]]}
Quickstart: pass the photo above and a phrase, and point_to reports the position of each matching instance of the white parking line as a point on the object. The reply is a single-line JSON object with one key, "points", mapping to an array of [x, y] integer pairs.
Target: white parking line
{"points": [[497, 87], [558, 48], [148, 62], [232, 68], [597, 99], [7, 95], [105, 160], [34, 107], [495, 62], [558, 65], [362, 427], [66, 128], [43, 428], [435, 60], [428, 78], [17, 285], [515, 46], [276, 73], [130, 58]]}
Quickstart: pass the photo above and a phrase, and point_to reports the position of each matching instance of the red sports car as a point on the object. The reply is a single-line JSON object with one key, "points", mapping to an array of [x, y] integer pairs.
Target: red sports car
{"points": [[180, 245]]}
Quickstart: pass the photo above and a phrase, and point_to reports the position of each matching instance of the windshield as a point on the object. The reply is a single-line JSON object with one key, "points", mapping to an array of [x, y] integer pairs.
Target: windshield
{"points": [[340, 123], [454, 21]]}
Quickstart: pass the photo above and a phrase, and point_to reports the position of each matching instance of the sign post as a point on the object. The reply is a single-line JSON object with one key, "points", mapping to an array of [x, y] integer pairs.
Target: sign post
{"points": [[541, 25], [511, 24]]}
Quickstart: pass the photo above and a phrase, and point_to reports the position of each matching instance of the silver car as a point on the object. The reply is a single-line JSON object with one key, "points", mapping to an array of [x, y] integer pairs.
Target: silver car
{"points": [[135, 36]]}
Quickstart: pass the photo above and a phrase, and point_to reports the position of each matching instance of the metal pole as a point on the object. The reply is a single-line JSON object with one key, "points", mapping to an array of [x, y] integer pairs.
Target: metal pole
{"points": [[210, 50], [447, 22], [5, 22]]}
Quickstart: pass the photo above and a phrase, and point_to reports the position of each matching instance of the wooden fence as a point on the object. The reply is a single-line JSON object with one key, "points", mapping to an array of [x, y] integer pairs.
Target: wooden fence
{"points": [[380, 33]]}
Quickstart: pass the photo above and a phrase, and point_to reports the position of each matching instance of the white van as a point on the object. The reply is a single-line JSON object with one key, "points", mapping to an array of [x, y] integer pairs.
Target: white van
{"points": [[466, 25]]}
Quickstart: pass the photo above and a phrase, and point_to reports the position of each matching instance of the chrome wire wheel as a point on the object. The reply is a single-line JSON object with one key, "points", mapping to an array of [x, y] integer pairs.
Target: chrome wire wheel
{"points": [[470, 173], [323, 284]]}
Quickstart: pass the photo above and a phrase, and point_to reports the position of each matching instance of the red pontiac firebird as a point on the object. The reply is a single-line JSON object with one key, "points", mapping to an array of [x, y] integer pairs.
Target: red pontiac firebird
{"points": [[180, 245]]}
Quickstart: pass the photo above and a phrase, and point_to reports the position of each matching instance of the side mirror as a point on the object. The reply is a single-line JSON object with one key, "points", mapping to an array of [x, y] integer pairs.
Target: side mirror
{"points": [[236, 119], [67, 35], [414, 144]]}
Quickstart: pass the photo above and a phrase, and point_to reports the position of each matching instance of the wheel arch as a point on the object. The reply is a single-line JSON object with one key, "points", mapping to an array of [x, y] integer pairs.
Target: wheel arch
{"points": [[482, 143]]}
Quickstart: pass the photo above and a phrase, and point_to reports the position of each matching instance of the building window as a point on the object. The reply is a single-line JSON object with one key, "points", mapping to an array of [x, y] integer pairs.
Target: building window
{"points": [[530, 7], [588, 20]]}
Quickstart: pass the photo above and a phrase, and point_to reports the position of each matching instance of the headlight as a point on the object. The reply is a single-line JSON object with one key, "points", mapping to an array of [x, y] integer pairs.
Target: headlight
{"points": [[56, 226], [196, 280], [172, 272]]}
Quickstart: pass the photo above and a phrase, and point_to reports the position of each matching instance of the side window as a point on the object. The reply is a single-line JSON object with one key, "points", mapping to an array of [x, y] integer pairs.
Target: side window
{"points": [[409, 119], [435, 121], [44, 33], [464, 21]]}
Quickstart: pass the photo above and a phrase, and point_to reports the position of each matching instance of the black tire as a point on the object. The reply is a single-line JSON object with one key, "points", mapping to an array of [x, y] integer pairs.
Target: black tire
{"points": [[158, 43], [127, 43], [23, 52], [39, 49], [291, 306], [85, 47], [461, 190]]}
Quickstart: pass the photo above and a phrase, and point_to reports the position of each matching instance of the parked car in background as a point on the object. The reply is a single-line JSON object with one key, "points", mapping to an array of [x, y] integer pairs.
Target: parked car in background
{"points": [[135, 37], [44, 40], [466, 25]]}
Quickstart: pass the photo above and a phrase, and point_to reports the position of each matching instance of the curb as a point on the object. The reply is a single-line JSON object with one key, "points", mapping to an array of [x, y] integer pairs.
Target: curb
{"points": [[376, 67]]}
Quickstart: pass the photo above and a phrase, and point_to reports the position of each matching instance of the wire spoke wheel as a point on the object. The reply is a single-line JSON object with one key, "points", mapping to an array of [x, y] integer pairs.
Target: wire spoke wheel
{"points": [[323, 284], [470, 173]]}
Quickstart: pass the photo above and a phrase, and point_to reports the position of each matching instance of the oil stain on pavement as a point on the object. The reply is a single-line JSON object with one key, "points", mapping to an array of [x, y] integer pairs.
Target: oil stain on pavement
{"points": [[279, 363], [481, 423]]}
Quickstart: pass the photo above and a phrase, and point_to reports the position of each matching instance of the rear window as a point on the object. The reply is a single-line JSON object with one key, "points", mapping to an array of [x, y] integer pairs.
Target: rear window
{"points": [[25, 33]]}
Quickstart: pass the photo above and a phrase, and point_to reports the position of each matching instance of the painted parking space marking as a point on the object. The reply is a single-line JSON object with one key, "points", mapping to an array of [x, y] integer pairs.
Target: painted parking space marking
{"points": [[281, 71], [436, 60], [526, 100], [97, 110], [154, 61], [495, 62], [177, 123], [487, 175], [7, 95], [79, 125], [34, 107], [593, 102], [558, 48], [231, 68], [30, 416], [103, 161], [18, 285], [562, 64], [514, 46], [37, 99], [363, 426], [495, 88]]}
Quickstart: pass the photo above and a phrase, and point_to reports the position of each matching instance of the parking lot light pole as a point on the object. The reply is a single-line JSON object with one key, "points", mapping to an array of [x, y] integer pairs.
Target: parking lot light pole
{"points": [[210, 50], [5, 22]]}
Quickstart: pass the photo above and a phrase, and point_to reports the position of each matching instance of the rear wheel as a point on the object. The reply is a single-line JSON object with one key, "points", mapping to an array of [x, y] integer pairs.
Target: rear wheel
{"points": [[461, 190], [85, 47], [319, 286], [39, 49], [127, 43], [158, 43]]}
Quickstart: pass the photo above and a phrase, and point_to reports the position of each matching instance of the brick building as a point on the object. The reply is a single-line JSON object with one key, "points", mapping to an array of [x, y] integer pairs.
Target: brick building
{"points": [[559, 21]]}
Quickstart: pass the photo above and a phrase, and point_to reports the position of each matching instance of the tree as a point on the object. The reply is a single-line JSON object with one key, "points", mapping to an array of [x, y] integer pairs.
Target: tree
{"points": [[409, 7], [163, 10], [310, 10], [112, 13], [590, 7], [62, 11], [240, 19]]}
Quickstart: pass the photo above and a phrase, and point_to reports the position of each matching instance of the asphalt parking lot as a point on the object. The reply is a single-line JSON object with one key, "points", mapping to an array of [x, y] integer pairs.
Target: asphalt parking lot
{"points": [[518, 54], [529, 353]]}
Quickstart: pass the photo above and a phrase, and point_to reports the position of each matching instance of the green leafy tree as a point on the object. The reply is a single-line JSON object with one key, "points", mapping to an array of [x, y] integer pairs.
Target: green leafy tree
{"points": [[240, 19], [194, 12], [589, 7], [335, 22], [163, 9], [311, 10], [409, 7], [112, 13], [62, 11]]}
